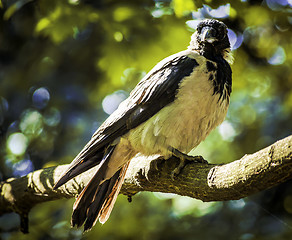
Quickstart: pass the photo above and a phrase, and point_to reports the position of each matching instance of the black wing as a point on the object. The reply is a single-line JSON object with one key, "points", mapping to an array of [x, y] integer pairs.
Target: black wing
{"points": [[156, 90], [153, 92]]}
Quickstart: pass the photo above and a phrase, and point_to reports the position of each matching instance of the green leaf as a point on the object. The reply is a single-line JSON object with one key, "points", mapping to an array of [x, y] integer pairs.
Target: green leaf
{"points": [[13, 8], [183, 7]]}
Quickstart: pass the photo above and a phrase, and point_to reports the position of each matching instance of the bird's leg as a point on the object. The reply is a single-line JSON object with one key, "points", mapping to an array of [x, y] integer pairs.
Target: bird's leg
{"points": [[183, 161]]}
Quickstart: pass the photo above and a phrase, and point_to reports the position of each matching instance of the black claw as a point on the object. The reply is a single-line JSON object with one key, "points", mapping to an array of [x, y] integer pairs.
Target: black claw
{"points": [[183, 161], [199, 159], [178, 169]]}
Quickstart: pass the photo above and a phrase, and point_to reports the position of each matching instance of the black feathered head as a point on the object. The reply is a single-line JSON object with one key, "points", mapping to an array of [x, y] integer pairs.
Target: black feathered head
{"points": [[211, 39]]}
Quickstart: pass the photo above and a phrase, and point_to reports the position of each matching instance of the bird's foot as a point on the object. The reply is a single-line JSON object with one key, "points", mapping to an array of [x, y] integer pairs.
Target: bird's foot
{"points": [[184, 158]]}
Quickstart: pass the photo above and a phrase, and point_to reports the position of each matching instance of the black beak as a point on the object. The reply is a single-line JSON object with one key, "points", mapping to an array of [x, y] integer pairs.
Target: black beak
{"points": [[208, 34]]}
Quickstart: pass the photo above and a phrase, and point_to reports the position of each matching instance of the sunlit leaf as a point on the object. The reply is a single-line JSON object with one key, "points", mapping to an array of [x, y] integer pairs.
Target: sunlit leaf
{"points": [[42, 24], [256, 15], [122, 13], [63, 20], [14, 8], [183, 7]]}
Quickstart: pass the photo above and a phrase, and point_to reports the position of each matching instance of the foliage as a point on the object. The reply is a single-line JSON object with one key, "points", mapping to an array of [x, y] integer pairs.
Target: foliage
{"points": [[65, 65]]}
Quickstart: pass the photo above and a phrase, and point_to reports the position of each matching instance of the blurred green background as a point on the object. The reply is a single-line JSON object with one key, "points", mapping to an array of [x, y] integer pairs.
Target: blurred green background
{"points": [[65, 65]]}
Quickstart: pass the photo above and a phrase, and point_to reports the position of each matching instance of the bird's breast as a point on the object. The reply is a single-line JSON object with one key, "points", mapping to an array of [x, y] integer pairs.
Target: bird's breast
{"points": [[185, 122]]}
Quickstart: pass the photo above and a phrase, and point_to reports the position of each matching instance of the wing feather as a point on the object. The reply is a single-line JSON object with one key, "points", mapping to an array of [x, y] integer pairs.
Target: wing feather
{"points": [[156, 90]]}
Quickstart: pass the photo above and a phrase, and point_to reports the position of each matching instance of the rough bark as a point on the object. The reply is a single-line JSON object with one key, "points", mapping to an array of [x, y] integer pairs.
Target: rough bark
{"points": [[208, 182]]}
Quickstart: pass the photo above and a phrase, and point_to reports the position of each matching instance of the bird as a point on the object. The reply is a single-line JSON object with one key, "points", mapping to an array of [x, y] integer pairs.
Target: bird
{"points": [[169, 112]]}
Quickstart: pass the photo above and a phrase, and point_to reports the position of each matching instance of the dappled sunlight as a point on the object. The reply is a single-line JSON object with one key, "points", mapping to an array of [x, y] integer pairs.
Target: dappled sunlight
{"points": [[31, 123], [227, 131], [184, 205], [278, 57], [41, 97], [17, 143], [67, 65], [111, 102], [22, 168], [52, 117]]}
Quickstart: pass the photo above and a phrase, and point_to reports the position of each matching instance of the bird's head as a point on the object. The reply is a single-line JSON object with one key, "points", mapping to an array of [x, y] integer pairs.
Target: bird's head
{"points": [[211, 39]]}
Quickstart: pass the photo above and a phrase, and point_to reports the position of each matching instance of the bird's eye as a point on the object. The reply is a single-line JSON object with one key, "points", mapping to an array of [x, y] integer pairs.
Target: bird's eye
{"points": [[209, 34], [213, 32]]}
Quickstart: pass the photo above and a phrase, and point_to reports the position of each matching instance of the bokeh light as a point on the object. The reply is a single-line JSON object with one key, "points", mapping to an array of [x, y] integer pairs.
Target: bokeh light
{"points": [[278, 4], [111, 102], [17, 143], [52, 117], [31, 123], [221, 12], [40, 98], [206, 11], [279, 57], [22, 167], [236, 204], [118, 36], [227, 131], [235, 39], [185, 205]]}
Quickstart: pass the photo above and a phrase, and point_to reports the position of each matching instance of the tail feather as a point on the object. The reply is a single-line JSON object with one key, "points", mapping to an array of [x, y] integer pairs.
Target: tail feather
{"points": [[79, 165], [110, 202], [95, 208], [96, 179], [78, 168], [96, 202], [82, 204], [86, 197], [97, 199]]}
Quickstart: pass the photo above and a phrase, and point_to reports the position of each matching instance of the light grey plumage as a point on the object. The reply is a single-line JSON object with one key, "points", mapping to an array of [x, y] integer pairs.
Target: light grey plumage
{"points": [[172, 109], [185, 122]]}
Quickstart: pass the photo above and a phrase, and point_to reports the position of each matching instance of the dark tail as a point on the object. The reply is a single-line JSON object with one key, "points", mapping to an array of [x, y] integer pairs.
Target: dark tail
{"points": [[85, 160], [96, 201], [99, 196]]}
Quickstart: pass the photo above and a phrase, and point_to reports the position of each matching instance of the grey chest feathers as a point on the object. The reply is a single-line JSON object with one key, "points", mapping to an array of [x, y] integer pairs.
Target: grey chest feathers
{"points": [[200, 105]]}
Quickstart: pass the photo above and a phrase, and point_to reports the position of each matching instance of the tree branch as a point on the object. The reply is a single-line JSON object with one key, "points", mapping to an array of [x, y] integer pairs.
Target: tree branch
{"points": [[208, 182]]}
